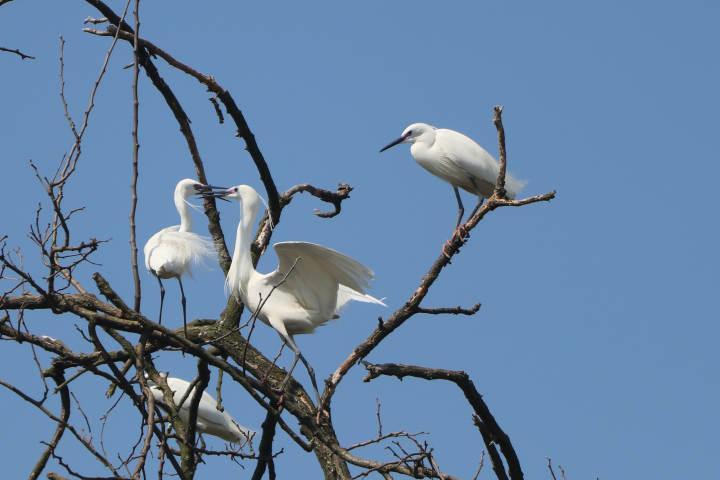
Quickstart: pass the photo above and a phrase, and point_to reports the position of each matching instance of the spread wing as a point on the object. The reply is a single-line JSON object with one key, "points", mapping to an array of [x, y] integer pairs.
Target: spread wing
{"points": [[317, 273]]}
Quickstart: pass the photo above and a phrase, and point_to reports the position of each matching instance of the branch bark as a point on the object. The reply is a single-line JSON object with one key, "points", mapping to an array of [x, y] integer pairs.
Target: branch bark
{"points": [[136, 151]]}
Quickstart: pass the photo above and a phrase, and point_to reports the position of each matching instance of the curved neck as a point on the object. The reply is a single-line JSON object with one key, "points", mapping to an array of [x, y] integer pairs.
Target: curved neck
{"points": [[184, 212]]}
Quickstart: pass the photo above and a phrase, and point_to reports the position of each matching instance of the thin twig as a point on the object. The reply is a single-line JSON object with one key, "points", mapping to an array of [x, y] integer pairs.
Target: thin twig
{"points": [[550, 467], [481, 464], [136, 149], [450, 310], [22, 55]]}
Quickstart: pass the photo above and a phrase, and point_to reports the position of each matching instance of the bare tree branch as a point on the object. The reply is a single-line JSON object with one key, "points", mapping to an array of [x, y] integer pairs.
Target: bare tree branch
{"points": [[59, 379], [484, 417], [265, 456], [500, 183], [335, 198], [136, 148], [243, 129], [450, 310], [22, 55]]}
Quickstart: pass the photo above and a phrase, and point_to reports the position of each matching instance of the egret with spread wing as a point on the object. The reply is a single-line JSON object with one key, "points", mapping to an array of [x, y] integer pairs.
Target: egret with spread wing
{"points": [[309, 287], [171, 251]]}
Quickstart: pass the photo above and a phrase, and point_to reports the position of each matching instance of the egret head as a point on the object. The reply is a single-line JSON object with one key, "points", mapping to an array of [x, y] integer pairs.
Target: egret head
{"points": [[186, 188], [417, 132], [241, 193]]}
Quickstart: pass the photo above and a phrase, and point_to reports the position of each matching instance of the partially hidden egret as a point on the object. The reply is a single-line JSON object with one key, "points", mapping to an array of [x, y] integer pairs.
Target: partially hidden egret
{"points": [[309, 287], [458, 160], [210, 420], [171, 251]]}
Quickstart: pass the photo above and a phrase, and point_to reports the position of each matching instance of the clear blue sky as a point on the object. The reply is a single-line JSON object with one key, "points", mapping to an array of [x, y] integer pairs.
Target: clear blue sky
{"points": [[597, 341]]}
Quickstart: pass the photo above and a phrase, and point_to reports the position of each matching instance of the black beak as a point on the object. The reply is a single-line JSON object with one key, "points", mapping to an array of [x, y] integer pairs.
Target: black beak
{"points": [[393, 143], [211, 191], [199, 187]]}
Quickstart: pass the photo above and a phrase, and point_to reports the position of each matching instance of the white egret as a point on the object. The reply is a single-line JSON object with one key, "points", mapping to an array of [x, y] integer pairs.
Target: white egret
{"points": [[309, 287], [171, 251], [210, 420], [458, 160]]}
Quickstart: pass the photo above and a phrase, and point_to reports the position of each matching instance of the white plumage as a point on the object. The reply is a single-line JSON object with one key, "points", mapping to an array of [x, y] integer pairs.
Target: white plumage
{"points": [[210, 420], [312, 282], [457, 159], [172, 251]]}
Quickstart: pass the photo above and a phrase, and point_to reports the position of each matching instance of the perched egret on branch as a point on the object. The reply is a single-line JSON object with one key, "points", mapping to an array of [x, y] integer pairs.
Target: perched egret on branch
{"points": [[210, 420], [309, 287], [458, 160], [171, 251]]}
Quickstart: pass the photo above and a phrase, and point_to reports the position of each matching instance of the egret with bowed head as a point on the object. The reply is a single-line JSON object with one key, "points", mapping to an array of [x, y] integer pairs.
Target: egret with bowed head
{"points": [[458, 160], [210, 420], [171, 252], [310, 286]]}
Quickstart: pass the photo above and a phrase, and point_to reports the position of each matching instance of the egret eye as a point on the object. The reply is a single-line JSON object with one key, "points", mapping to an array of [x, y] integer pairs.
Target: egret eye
{"points": [[409, 133]]}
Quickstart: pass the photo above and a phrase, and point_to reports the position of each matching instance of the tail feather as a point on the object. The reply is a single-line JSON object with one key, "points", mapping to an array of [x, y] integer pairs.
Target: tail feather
{"points": [[513, 186]]}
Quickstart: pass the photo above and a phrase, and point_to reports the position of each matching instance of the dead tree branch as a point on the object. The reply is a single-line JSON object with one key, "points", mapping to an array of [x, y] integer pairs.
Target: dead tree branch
{"points": [[450, 310], [59, 379], [485, 419], [135, 155], [22, 55], [265, 456], [335, 198]]}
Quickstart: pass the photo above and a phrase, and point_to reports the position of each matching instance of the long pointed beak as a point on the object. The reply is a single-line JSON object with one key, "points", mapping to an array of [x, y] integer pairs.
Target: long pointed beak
{"points": [[211, 191], [199, 187], [393, 143]]}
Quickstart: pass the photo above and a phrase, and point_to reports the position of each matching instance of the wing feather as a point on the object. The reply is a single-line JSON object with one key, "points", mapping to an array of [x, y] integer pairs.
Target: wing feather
{"points": [[477, 163], [318, 273]]}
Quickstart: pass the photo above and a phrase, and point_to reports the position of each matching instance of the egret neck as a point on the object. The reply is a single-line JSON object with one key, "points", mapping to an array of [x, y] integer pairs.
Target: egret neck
{"points": [[241, 266], [183, 209]]}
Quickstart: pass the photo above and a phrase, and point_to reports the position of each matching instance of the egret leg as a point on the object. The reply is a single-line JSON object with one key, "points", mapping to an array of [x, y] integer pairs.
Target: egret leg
{"points": [[459, 232], [477, 207], [162, 298], [461, 210], [184, 305], [311, 373], [299, 356]]}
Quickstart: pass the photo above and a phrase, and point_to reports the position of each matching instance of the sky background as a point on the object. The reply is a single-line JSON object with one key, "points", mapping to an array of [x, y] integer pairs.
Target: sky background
{"points": [[597, 341]]}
